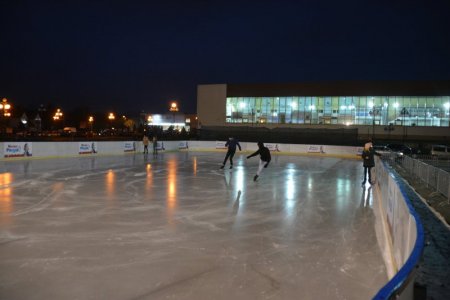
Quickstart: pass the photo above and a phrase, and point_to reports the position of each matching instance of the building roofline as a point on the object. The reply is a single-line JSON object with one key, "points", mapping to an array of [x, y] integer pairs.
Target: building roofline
{"points": [[342, 88]]}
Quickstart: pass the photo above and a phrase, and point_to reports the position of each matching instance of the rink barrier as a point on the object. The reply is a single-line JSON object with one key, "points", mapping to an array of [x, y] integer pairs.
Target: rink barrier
{"points": [[403, 235], [403, 230], [28, 150], [14, 149]]}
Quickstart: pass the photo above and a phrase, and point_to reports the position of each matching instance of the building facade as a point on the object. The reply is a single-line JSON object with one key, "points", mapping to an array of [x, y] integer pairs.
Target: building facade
{"points": [[374, 105]]}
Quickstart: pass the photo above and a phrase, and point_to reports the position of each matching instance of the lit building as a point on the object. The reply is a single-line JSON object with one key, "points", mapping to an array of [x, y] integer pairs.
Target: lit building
{"points": [[176, 120], [326, 104]]}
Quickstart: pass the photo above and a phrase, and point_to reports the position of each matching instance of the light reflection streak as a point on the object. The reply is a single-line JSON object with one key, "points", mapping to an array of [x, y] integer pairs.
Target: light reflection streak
{"points": [[6, 204], [110, 184], [149, 181], [343, 191], [239, 180], [290, 189], [195, 166], [171, 188], [310, 183], [57, 190], [290, 185]]}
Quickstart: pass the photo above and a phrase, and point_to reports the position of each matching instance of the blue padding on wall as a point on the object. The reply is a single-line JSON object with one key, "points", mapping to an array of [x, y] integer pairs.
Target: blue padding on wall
{"points": [[401, 278]]}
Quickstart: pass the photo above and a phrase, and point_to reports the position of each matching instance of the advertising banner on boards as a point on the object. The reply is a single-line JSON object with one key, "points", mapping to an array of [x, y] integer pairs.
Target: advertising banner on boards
{"points": [[17, 149], [221, 145], [315, 149], [87, 148], [183, 145], [272, 147], [129, 146]]}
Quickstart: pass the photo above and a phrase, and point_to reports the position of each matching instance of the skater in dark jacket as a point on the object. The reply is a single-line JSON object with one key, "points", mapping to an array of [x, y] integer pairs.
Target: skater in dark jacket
{"points": [[265, 158], [368, 161], [231, 144]]}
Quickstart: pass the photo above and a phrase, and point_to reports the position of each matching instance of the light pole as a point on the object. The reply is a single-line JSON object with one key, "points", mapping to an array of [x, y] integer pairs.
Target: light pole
{"points": [[42, 117], [58, 115], [24, 120], [173, 108], [253, 116], [38, 122], [91, 123], [5, 107], [111, 118]]}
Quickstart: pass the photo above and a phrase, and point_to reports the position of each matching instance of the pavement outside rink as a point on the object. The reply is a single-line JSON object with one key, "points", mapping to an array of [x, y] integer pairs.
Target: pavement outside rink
{"points": [[178, 227]]}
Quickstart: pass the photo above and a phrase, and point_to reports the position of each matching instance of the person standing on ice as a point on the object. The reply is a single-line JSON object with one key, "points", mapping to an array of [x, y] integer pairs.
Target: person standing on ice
{"points": [[155, 145], [145, 141], [264, 160], [368, 161], [231, 143]]}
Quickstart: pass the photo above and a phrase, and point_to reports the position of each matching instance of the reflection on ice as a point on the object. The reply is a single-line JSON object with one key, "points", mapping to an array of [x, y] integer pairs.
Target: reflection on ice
{"points": [[172, 187]]}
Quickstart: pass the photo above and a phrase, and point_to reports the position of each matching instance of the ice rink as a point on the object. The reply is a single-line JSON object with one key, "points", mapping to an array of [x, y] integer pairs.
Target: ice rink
{"points": [[177, 227]]}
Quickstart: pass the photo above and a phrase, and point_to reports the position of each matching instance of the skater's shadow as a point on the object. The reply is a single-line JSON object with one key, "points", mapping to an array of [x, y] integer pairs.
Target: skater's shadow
{"points": [[236, 203], [227, 178], [236, 207]]}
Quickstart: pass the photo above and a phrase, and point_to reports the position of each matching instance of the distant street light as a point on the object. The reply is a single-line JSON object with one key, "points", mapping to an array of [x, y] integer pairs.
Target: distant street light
{"points": [[58, 115], [173, 108], [24, 119]]}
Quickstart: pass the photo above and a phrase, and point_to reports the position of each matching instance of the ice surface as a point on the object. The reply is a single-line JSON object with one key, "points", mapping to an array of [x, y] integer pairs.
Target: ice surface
{"points": [[178, 227]]}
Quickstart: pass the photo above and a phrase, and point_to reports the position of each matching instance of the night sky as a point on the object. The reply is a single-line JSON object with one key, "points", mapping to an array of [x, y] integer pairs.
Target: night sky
{"points": [[129, 56]]}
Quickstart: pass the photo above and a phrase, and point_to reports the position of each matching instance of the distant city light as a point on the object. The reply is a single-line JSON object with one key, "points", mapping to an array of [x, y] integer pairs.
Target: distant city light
{"points": [[58, 115], [5, 106]]}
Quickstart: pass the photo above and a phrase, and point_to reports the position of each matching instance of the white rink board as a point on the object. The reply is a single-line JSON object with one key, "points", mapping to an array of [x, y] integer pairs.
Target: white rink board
{"points": [[56, 149]]}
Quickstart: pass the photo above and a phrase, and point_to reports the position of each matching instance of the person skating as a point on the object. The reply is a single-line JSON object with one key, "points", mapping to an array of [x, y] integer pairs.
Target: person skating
{"points": [[368, 161], [264, 160], [231, 144]]}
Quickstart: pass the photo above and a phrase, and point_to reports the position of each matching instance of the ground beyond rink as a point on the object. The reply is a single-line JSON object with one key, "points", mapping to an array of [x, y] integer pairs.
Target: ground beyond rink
{"points": [[175, 226]]}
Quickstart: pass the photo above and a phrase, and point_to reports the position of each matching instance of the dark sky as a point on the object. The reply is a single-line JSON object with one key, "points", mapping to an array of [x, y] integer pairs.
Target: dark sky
{"points": [[129, 56]]}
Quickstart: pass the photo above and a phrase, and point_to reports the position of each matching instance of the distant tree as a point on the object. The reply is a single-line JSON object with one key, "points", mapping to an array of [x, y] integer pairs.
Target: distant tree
{"points": [[183, 133], [129, 124]]}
